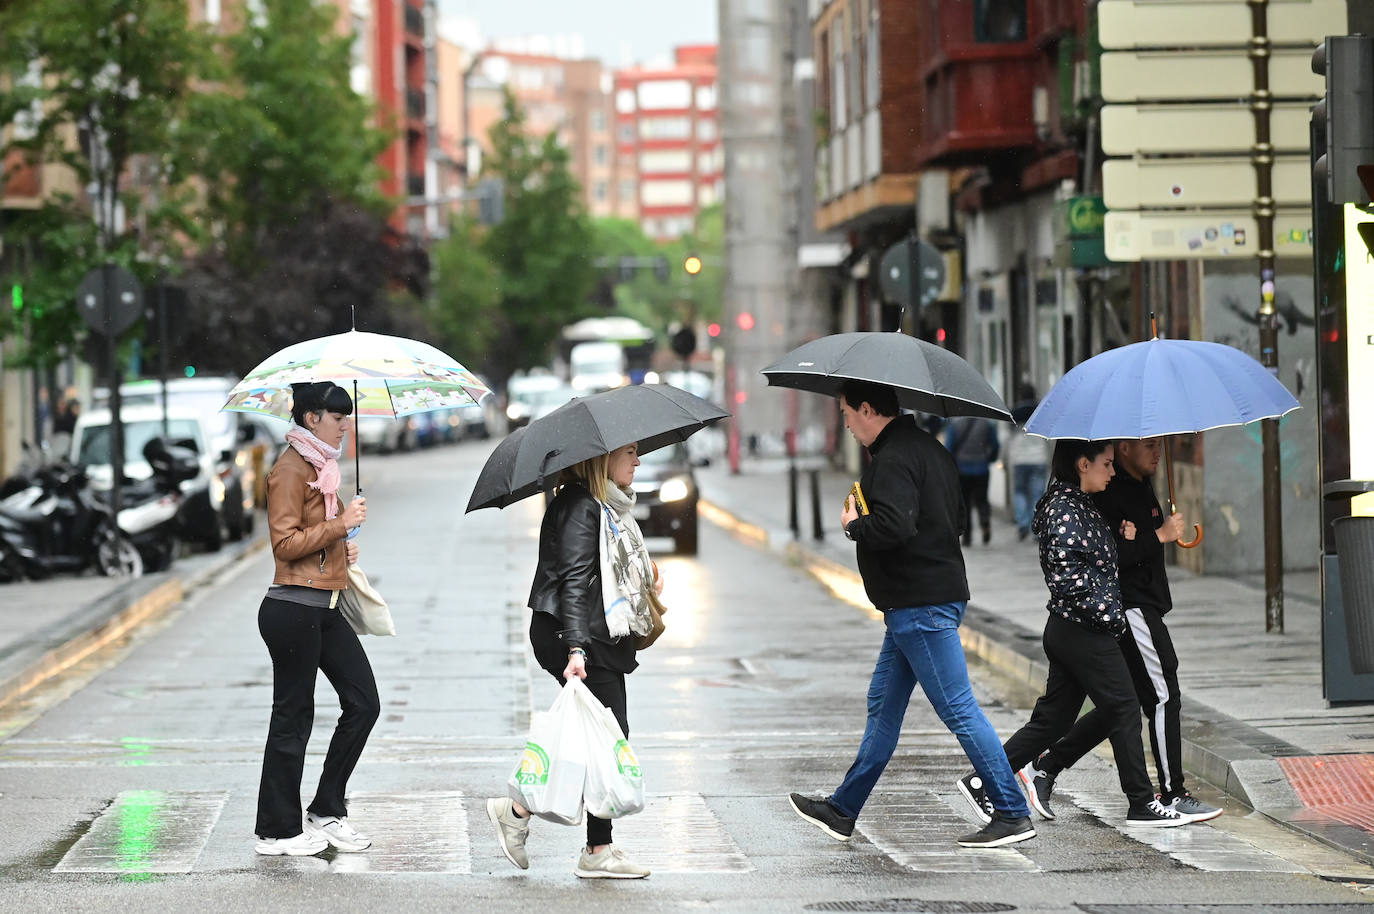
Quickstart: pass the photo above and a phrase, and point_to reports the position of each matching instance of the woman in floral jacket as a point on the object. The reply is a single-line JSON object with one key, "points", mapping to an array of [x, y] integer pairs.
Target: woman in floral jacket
{"points": [[1078, 559]]}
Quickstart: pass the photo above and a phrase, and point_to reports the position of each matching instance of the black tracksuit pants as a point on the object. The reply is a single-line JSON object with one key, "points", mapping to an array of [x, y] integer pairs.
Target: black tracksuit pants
{"points": [[1086, 664], [302, 640], [1149, 653], [606, 684]]}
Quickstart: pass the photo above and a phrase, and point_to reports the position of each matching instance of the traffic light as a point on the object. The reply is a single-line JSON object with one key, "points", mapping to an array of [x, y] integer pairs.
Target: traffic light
{"points": [[684, 342], [661, 269], [17, 297], [1345, 116], [692, 265]]}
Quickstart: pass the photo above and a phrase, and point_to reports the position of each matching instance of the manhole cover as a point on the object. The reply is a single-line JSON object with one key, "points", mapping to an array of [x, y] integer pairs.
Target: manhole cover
{"points": [[913, 906]]}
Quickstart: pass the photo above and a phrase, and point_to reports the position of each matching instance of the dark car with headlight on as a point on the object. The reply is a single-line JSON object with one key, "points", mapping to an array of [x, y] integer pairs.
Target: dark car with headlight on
{"points": [[666, 497]]}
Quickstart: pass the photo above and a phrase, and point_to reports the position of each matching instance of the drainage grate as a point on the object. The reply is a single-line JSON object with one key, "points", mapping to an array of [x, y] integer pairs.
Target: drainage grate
{"points": [[913, 906]]}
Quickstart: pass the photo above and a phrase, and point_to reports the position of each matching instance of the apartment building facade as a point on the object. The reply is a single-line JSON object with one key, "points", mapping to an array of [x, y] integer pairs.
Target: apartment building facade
{"points": [[667, 142]]}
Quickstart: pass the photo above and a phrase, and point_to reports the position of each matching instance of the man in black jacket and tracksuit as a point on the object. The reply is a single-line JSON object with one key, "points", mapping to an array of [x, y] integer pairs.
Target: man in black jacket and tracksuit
{"points": [[913, 571], [1145, 597]]}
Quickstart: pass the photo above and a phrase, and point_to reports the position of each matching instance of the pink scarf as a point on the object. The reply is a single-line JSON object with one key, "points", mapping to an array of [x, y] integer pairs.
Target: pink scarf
{"points": [[325, 460]]}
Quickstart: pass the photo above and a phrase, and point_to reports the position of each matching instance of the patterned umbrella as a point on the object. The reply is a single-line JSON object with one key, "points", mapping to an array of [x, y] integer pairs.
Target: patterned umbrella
{"points": [[391, 376]]}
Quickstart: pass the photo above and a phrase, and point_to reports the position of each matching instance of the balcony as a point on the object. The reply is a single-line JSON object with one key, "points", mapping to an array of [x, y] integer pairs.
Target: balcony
{"points": [[415, 22], [981, 64], [415, 104], [415, 185]]}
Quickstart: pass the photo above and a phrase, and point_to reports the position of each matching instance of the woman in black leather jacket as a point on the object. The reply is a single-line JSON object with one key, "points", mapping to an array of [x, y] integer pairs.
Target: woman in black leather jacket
{"points": [[570, 638]]}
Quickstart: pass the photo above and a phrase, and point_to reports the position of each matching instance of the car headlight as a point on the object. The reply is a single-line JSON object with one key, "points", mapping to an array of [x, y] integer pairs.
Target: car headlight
{"points": [[674, 489]]}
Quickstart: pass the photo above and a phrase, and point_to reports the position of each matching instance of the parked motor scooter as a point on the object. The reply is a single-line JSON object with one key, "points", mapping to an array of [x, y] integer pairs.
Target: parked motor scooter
{"points": [[68, 528], [149, 507]]}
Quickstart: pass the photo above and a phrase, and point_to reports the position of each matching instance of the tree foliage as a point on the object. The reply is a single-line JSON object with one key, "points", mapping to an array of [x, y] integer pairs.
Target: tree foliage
{"points": [[540, 256]]}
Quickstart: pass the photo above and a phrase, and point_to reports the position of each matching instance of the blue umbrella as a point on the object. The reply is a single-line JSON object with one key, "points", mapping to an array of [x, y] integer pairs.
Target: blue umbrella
{"points": [[1158, 388]]}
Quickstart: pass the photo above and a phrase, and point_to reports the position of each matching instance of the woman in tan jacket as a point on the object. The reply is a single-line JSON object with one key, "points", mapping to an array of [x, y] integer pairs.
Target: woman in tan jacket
{"points": [[305, 632]]}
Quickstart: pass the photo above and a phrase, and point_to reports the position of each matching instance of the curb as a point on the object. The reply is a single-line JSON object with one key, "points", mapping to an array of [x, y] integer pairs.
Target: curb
{"points": [[1216, 748], [103, 621]]}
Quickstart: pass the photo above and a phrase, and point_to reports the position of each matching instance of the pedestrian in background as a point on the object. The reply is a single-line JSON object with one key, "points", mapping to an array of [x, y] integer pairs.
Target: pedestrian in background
{"points": [[305, 632], [1148, 648], [973, 442], [569, 634], [1079, 560], [1029, 457], [913, 571]]}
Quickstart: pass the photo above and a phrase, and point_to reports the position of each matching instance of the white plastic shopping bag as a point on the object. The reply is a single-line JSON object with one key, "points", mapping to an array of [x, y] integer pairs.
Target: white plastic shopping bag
{"points": [[615, 784], [552, 772]]}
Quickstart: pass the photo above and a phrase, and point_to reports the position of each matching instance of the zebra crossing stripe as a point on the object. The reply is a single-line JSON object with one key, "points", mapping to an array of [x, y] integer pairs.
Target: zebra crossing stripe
{"points": [[143, 832]]}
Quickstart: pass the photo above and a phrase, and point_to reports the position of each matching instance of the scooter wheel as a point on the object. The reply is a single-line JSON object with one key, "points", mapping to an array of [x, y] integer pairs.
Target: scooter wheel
{"points": [[116, 555]]}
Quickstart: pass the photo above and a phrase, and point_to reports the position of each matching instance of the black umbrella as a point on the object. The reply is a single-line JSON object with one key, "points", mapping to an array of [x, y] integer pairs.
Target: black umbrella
{"points": [[529, 459], [927, 378]]}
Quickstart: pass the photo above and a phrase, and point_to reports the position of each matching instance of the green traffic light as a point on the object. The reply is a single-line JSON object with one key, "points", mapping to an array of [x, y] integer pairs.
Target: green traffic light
{"points": [[190, 371], [17, 297]]}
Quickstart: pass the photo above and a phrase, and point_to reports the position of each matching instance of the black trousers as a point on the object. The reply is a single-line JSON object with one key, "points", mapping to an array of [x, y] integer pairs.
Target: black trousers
{"points": [[975, 492], [1150, 656], [1086, 664], [303, 639], [607, 685]]}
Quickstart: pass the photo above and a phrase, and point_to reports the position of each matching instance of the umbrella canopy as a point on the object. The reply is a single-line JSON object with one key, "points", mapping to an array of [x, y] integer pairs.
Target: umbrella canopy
{"points": [[395, 376], [1158, 388], [927, 378], [530, 458]]}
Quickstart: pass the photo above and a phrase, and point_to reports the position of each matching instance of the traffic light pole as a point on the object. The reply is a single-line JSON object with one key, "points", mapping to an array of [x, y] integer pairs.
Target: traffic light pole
{"points": [[1261, 106]]}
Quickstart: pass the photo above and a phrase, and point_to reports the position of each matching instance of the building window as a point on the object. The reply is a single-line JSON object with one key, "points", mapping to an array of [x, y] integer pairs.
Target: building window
{"points": [[212, 11], [625, 101], [666, 193], [627, 190], [999, 20], [706, 195], [706, 98], [706, 129], [599, 191], [599, 154], [598, 120], [665, 128], [626, 133], [659, 94], [660, 161]]}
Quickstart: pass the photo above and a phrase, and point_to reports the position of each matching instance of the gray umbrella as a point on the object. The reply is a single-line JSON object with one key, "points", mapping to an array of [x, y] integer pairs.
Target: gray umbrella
{"points": [[927, 377], [529, 460]]}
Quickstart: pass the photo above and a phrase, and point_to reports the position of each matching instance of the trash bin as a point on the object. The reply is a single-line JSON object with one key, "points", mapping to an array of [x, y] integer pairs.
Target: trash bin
{"points": [[1355, 552]]}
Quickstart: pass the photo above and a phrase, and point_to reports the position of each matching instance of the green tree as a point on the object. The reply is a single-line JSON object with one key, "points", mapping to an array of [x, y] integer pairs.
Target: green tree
{"points": [[541, 253], [94, 85], [466, 294]]}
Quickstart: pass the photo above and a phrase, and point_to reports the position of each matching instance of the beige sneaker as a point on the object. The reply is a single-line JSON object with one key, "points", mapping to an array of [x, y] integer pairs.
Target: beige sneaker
{"points": [[609, 864], [511, 831]]}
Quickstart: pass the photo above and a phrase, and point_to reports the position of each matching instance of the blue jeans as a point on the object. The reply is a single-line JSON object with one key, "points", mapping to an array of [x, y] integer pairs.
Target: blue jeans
{"points": [[922, 645], [1028, 482]]}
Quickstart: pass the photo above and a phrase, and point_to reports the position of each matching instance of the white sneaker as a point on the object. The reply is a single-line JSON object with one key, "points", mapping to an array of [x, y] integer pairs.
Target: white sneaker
{"points": [[336, 832], [611, 863], [302, 845]]}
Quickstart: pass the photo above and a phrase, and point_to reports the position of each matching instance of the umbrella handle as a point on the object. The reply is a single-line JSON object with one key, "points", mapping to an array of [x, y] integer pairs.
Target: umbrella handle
{"points": [[1195, 541]]}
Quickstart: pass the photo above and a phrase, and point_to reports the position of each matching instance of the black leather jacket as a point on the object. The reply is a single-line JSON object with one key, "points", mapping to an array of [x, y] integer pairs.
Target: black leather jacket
{"points": [[567, 580]]}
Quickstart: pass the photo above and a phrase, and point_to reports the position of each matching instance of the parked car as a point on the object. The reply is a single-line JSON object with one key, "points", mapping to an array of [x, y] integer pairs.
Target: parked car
{"points": [[201, 515], [666, 497], [535, 396], [383, 434]]}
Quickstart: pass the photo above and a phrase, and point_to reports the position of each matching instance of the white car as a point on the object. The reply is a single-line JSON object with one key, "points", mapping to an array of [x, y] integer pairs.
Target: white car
{"points": [[202, 512]]}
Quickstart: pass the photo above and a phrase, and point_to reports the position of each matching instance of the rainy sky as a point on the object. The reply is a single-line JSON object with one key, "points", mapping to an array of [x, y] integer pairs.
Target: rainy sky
{"points": [[619, 32]]}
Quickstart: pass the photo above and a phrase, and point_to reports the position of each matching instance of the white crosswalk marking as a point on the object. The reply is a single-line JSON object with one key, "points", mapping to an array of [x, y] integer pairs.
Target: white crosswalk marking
{"points": [[411, 833], [146, 831], [678, 833], [918, 829]]}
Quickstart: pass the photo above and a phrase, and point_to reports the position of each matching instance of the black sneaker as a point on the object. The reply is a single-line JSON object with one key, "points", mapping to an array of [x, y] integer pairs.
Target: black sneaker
{"points": [[1039, 786], [822, 815], [971, 786], [1191, 809], [1154, 815], [1001, 830]]}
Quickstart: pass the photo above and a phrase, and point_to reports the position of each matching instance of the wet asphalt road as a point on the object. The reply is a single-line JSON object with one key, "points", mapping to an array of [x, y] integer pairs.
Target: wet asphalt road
{"points": [[131, 785]]}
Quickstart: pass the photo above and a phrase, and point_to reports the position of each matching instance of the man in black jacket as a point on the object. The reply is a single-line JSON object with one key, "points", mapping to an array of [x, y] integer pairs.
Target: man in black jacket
{"points": [[913, 571], [1130, 496]]}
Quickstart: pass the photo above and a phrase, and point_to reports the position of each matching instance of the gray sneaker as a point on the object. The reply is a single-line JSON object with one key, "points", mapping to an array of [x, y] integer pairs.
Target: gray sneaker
{"points": [[1193, 810], [611, 863], [511, 831]]}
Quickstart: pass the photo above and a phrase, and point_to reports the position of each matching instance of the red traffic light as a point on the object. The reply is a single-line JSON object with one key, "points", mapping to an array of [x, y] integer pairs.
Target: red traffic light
{"points": [[713, 329], [745, 320]]}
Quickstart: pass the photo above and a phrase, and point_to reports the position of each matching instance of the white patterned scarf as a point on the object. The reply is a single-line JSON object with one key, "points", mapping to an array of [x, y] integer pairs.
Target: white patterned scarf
{"points": [[627, 574]]}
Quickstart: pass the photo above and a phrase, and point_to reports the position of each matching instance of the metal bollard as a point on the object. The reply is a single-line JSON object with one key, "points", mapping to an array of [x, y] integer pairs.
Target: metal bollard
{"points": [[793, 523], [817, 531]]}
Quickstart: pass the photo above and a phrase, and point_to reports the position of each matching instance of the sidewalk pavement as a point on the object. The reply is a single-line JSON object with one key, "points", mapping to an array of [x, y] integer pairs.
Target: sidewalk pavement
{"points": [[1254, 720]]}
